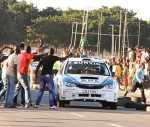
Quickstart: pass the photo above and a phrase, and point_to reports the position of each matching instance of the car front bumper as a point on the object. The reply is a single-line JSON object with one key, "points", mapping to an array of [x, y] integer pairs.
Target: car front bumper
{"points": [[74, 94]]}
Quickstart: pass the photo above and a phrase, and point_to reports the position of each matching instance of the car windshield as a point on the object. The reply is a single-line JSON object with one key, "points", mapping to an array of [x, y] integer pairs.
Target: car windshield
{"points": [[86, 67]]}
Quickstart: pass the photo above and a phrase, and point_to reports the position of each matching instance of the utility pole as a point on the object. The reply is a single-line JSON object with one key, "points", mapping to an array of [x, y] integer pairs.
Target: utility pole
{"points": [[112, 48], [124, 33], [86, 23], [98, 39], [128, 38], [75, 38], [83, 24], [120, 25], [99, 35], [72, 35], [115, 49], [139, 33]]}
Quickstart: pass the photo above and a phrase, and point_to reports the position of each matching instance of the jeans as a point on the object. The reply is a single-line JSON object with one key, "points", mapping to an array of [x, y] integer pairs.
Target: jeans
{"points": [[23, 80], [47, 81], [135, 86], [141, 87], [5, 86], [10, 91], [19, 88]]}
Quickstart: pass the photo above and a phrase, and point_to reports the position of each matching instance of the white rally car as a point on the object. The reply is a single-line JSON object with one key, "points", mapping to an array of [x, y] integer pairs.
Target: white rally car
{"points": [[86, 79]]}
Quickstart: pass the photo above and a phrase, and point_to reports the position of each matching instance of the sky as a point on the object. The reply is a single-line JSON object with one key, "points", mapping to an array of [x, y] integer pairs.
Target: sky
{"points": [[141, 7]]}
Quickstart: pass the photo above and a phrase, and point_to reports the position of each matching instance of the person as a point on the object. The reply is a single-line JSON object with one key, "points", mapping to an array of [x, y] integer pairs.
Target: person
{"points": [[118, 71], [132, 70], [46, 78], [125, 74], [11, 77], [19, 87], [83, 46], [138, 54], [24, 60], [2, 59], [145, 56], [77, 54], [2, 56], [4, 66], [147, 74], [132, 55], [40, 47], [138, 82]]}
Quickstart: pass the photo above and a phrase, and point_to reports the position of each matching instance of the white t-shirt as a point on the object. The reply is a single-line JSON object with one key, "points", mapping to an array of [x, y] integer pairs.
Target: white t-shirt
{"points": [[12, 61]]}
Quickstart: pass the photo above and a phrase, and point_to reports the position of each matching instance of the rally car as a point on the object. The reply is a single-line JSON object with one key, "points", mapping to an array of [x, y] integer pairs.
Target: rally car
{"points": [[86, 79]]}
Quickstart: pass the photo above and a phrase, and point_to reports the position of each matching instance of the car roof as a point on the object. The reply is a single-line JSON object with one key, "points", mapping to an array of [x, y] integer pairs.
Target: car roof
{"points": [[86, 58]]}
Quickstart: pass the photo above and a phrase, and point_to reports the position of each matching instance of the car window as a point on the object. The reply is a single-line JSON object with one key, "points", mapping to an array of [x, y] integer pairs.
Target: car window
{"points": [[94, 68]]}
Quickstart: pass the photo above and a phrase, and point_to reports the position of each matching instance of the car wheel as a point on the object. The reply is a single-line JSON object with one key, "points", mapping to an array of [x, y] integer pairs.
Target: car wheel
{"points": [[61, 103], [105, 105], [113, 106]]}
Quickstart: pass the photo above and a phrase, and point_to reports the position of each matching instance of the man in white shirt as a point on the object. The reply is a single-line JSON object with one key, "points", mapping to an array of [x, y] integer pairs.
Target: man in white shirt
{"points": [[11, 76], [4, 65]]}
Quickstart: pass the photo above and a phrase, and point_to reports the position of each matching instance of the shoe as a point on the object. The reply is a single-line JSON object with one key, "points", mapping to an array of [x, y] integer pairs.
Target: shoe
{"points": [[53, 107], [19, 105], [22, 105], [36, 106], [143, 102], [27, 105]]}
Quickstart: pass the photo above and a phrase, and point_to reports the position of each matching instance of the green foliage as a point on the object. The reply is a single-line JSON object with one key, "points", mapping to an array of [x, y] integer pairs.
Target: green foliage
{"points": [[21, 21]]}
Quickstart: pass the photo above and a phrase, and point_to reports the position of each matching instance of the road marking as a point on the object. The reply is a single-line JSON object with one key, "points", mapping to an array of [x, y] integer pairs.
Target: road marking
{"points": [[77, 114], [115, 125]]}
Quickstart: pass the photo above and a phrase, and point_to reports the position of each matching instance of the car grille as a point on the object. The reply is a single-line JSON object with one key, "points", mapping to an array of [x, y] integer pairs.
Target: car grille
{"points": [[89, 86], [95, 95], [87, 95], [83, 95]]}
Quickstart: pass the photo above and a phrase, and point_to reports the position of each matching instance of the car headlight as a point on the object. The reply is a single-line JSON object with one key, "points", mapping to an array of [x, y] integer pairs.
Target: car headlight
{"points": [[68, 84], [109, 86]]}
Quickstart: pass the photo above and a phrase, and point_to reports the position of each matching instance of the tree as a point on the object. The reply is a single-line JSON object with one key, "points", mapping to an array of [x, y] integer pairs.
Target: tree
{"points": [[50, 12]]}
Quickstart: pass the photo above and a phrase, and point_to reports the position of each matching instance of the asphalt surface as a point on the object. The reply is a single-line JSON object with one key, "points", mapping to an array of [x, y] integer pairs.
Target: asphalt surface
{"points": [[73, 116]]}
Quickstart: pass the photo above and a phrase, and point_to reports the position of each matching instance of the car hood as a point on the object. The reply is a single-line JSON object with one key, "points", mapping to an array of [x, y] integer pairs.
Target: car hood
{"points": [[88, 79]]}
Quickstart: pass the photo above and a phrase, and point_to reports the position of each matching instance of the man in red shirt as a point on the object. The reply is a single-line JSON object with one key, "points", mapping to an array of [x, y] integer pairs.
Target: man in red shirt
{"points": [[24, 60]]}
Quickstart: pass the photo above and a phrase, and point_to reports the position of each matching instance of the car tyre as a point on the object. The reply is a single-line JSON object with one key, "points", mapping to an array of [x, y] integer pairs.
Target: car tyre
{"points": [[105, 105], [61, 103], [113, 106]]}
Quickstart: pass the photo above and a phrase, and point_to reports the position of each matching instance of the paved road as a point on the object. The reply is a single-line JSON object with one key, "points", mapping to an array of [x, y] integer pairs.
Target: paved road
{"points": [[72, 117]]}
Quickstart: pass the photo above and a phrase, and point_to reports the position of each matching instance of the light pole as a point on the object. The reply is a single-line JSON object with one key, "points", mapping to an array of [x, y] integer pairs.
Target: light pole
{"points": [[112, 34], [120, 25], [139, 33]]}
